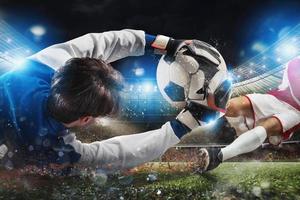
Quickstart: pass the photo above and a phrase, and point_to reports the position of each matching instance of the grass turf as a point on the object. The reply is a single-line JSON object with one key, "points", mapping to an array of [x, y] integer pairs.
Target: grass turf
{"points": [[232, 180]]}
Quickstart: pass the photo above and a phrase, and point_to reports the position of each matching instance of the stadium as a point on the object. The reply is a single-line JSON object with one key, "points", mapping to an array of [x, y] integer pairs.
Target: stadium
{"points": [[270, 172]]}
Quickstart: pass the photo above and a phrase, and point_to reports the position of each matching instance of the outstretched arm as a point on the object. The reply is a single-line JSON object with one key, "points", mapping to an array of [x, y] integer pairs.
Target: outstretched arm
{"points": [[125, 151], [108, 46]]}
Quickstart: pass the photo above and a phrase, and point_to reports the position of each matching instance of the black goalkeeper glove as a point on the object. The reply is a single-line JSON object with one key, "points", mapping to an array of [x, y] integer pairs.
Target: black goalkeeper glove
{"points": [[168, 46]]}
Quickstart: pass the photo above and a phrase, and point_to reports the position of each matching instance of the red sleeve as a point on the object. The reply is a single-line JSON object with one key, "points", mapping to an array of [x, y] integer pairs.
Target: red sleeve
{"points": [[294, 76]]}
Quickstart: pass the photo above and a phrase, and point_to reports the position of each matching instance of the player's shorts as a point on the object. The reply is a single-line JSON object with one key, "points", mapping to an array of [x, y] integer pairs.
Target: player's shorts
{"points": [[266, 106]]}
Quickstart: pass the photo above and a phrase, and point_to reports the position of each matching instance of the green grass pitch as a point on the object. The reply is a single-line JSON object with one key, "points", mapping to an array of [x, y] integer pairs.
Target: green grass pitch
{"points": [[232, 180]]}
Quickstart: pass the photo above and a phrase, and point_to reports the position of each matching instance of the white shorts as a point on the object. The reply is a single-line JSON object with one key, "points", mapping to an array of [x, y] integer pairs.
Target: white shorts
{"points": [[266, 106]]}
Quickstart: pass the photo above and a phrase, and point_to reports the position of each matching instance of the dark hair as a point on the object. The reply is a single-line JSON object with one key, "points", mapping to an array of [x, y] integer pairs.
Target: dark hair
{"points": [[84, 87]]}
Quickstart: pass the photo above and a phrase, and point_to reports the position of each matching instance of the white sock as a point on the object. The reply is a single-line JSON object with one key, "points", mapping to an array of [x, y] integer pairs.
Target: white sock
{"points": [[245, 143]]}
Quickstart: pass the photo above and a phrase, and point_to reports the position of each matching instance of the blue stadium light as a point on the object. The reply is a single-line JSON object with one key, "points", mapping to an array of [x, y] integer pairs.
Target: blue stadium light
{"points": [[139, 88], [131, 87], [139, 71], [273, 57], [278, 59], [8, 40], [147, 87], [230, 77], [259, 47], [288, 50], [38, 30], [14, 47], [18, 62]]}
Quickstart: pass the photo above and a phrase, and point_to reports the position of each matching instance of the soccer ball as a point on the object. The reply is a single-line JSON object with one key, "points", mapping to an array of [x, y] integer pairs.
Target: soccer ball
{"points": [[200, 76]]}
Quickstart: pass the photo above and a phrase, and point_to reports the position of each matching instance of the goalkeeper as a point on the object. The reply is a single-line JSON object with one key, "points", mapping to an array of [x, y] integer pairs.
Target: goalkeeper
{"points": [[70, 84]]}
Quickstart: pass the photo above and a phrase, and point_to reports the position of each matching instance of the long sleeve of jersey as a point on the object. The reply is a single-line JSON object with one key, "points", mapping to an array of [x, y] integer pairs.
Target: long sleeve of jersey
{"points": [[108, 46], [124, 151]]}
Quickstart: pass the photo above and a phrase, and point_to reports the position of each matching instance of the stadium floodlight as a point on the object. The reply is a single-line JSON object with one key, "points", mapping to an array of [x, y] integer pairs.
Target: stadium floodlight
{"points": [[8, 40], [131, 88], [288, 50], [258, 46], [14, 47], [38, 30], [147, 87], [139, 71], [230, 77], [18, 62], [278, 59]]}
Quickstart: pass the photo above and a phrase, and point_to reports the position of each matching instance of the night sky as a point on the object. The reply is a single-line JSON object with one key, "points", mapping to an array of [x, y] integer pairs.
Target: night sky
{"points": [[232, 26]]}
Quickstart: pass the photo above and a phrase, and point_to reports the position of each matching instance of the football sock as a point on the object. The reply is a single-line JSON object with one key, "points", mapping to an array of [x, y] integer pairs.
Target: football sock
{"points": [[245, 143]]}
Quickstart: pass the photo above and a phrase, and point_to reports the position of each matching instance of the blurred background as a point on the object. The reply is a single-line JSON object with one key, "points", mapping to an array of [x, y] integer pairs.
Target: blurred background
{"points": [[256, 38]]}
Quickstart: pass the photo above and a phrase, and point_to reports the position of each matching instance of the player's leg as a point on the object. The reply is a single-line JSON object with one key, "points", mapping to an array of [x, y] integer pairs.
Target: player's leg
{"points": [[271, 116], [239, 106], [252, 139], [247, 142], [240, 109]]}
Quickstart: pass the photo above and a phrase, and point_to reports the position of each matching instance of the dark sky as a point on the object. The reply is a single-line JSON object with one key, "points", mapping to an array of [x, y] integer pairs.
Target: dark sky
{"points": [[226, 24]]}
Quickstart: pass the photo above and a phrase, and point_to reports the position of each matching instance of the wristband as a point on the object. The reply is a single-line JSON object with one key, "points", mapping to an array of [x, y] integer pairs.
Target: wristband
{"points": [[160, 42]]}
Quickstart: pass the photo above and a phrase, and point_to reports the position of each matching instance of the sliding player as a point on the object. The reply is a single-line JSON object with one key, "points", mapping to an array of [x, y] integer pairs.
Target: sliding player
{"points": [[275, 116]]}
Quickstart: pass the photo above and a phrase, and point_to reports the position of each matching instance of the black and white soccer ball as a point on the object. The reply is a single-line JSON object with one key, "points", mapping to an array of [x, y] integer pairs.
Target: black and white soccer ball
{"points": [[197, 73]]}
